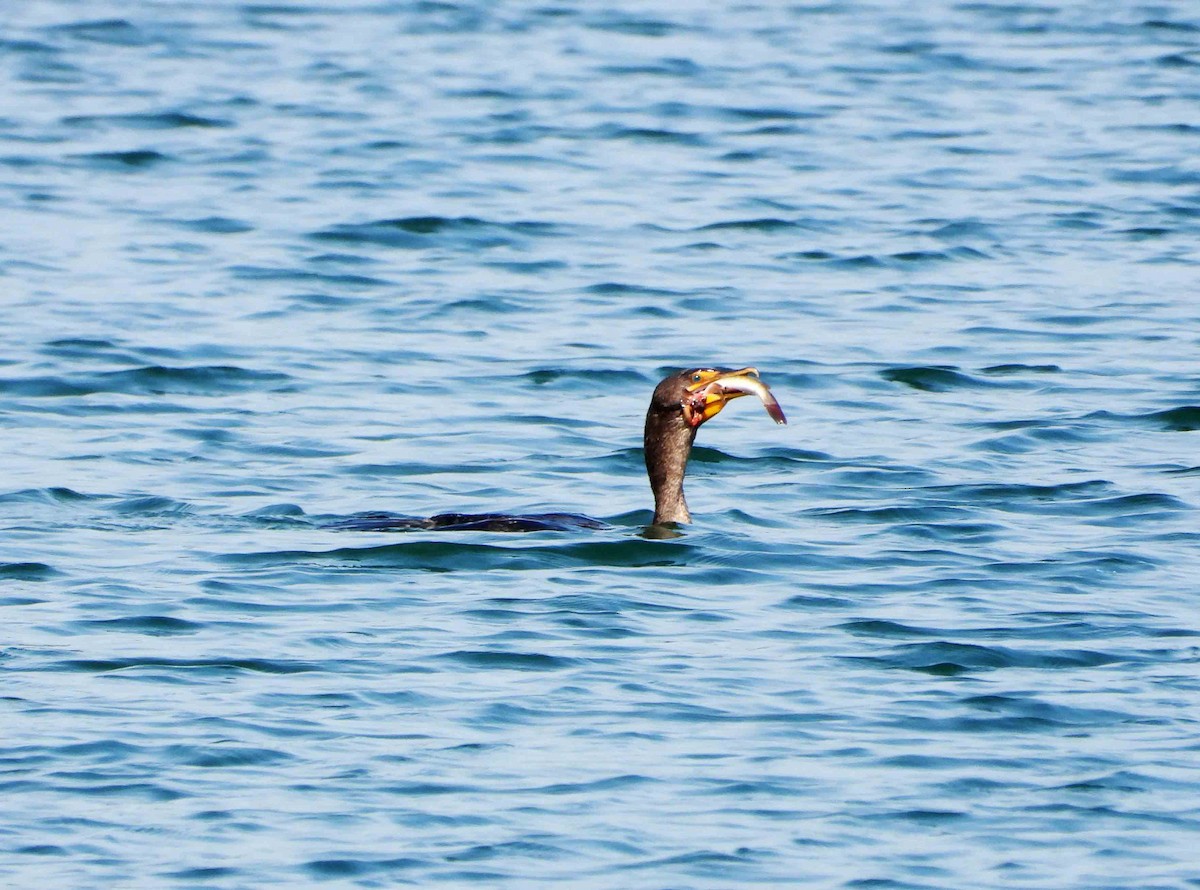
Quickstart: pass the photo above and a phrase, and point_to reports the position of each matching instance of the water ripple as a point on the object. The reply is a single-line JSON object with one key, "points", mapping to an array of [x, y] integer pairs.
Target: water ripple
{"points": [[944, 658], [446, 556], [272, 269], [426, 231], [150, 380]]}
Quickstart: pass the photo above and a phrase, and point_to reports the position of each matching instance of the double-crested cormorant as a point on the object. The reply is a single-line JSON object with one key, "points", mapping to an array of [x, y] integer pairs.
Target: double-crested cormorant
{"points": [[680, 404]]}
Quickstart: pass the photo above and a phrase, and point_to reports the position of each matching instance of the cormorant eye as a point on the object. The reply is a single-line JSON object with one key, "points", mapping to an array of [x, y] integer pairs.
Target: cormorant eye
{"points": [[695, 378]]}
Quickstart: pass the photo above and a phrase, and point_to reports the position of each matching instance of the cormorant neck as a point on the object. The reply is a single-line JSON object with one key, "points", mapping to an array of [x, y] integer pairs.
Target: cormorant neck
{"points": [[667, 444]]}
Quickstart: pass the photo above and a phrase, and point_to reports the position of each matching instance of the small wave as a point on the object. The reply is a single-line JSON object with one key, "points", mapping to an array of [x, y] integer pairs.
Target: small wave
{"points": [[1171, 26], [617, 288], [53, 495], [1025, 442], [765, 224], [1184, 419], [1031, 707], [508, 661], [922, 257], [418, 232], [306, 276], [1140, 504], [1164, 175], [27, 571], [1123, 781], [781, 456], [110, 32], [934, 378], [530, 267], [149, 505], [655, 68], [149, 791], [621, 23], [1021, 491], [215, 225], [151, 625], [706, 863], [204, 873], [948, 659], [770, 114], [961, 230], [609, 783], [1013, 368], [414, 468], [1094, 500], [357, 868], [1146, 233], [601, 376], [165, 120], [855, 263], [44, 387], [893, 514], [503, 851], [25, 46], [202, 665], [649, 135], [447, 556], [487, 306], [899, 260], [149, 380], [875, 627], [134, 159], [224, 756], [81, 347]]}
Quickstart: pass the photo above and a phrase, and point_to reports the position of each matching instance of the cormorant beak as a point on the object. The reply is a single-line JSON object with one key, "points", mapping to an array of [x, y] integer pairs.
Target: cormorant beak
{"points": [[711, 389]]}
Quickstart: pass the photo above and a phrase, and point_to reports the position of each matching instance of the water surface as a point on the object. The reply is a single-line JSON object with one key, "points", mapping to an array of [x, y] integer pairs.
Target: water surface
{"points": [[266, 266]]}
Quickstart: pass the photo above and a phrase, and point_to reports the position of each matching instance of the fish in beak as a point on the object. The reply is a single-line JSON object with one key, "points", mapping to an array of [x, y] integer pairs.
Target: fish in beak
{"points": [[710, 389]]}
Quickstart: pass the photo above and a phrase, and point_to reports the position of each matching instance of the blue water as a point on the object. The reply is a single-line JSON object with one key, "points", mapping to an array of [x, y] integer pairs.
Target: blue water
{"points": [[266, 266]]}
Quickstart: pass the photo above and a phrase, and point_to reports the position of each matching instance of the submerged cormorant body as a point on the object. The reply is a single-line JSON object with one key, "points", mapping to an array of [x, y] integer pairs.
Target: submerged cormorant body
{"points": [[680, 404], [479, 522]]}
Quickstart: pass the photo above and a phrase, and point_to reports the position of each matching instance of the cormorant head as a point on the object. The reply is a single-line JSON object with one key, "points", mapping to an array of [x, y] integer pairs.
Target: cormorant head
{"points": [[699, 394]]}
